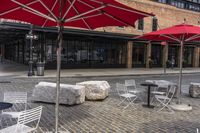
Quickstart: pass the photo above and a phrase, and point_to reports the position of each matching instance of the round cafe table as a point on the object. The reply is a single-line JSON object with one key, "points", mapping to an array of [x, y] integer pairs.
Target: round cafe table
{"points": [[148, 85], [5, 105]]}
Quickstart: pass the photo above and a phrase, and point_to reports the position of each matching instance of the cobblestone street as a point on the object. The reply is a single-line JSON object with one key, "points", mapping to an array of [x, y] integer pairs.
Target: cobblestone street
{"points": [[105, 116]]}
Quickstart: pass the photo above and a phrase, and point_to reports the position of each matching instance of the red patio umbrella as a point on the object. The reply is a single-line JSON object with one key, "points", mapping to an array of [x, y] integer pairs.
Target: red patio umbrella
{"points": [[179, 33], [88, 14]]}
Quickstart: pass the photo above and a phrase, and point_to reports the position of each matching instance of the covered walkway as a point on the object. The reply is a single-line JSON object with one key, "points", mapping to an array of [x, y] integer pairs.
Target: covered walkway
{"points": [[9, 68]]}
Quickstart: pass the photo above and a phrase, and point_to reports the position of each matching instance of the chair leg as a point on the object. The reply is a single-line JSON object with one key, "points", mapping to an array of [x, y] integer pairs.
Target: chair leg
{"points": [[152, 99], [165, 105], [131, 102], [159, 103], [121, 102]]}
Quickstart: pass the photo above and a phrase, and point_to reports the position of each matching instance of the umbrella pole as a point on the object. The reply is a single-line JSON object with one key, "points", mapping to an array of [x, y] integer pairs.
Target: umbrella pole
{"points": [[180, 73], [180, 106], [59, 47]]}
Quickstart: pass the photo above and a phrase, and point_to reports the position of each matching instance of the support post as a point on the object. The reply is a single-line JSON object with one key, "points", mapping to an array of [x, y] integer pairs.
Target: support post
{"points": [[129, 54], [31, 71], [148, 56], [196, 57], [165, 57]]}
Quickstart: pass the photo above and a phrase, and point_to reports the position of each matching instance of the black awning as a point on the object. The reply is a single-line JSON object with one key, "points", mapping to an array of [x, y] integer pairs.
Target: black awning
{"points": [[10, 31]]}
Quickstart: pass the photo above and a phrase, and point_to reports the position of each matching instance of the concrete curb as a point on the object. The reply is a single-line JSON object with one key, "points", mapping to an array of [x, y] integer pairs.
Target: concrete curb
{"points": [[85, 76]]}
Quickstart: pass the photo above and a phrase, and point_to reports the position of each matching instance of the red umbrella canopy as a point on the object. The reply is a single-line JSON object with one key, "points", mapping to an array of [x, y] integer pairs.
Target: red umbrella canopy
{"points": [[178, 33], [89, 14]]}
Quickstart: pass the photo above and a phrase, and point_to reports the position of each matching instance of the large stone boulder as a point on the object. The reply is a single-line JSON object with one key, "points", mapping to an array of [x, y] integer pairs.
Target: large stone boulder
{"points": [[95, 90], [194, 89], [69, 94]]}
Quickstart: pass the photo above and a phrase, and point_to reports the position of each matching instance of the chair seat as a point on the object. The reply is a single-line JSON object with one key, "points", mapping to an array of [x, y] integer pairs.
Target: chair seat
{"points": [[161, 97], [20, 129], [128, 95], [12, 114], [135, 91], [158, 92]]}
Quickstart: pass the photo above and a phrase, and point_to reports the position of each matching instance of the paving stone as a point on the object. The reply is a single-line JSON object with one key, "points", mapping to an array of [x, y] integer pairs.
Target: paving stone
{"points": [[105, 116]]}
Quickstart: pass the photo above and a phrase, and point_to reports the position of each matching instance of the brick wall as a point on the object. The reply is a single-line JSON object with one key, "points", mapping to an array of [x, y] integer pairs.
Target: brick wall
{"points": [[167, 16]]}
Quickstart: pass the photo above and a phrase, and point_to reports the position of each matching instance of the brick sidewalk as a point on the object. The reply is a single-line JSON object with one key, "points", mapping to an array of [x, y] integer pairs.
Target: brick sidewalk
{"points": [[105, 116]]}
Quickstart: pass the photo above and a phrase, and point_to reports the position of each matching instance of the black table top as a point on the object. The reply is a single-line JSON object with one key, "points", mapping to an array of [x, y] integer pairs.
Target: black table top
{"points": [[148, 84], [5, 105]]}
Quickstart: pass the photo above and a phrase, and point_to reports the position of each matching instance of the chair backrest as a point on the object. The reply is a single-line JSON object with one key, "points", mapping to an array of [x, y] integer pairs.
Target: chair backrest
{"points": [[15, 97], [171, 91], [30, 116], [121, 89], [130, 82]]}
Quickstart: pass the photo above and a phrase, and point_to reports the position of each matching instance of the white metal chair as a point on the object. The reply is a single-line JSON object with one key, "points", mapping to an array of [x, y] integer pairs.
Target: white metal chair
{"points": [[157, 91], [161, 84], [18, 99], [164, 101], [132, 88], [31, 116], [124, 95]]}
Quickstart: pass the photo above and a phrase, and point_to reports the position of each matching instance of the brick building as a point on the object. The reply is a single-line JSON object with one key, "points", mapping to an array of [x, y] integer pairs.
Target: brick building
{"points": [[110, 46], [168, 13]]}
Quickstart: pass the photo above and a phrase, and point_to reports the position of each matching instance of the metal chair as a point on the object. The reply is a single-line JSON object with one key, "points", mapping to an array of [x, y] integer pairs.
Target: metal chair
{"points": [[18, 99], [157, 90], [132, 88], [31, 116], [164, 101], [161, 84], [125, 95]]}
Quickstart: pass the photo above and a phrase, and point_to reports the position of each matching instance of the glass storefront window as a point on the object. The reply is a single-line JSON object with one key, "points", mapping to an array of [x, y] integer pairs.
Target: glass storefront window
{"points": [[156, 55], [88, 53], [188, 56], [139, 54], [173, 54]]}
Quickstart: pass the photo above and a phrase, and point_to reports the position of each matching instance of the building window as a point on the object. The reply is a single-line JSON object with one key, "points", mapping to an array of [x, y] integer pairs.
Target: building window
{"points": [[154, 24], [141, 24], [188, 56], [193, 5], [156, 55], [173, 54], [139, 54], [162, 1]]}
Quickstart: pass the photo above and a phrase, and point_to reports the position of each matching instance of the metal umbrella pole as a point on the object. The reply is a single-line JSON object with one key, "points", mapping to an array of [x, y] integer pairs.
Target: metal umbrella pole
{"points": [[180, 73], [60, 37], [59, 47]]}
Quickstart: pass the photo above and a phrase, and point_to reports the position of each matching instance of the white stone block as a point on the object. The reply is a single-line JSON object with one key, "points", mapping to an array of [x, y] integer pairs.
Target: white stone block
{"points": [[95, 90], [194, 89], [69, 94]]}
